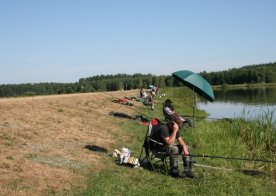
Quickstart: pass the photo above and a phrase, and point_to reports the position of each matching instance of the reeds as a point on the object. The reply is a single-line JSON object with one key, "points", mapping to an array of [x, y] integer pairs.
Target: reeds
{"points": [[257, 131]]}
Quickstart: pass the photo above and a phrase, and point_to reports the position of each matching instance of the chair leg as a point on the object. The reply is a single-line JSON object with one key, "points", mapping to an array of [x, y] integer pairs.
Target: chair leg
{"points": [[141, 153], [166, 165], [148, 160], [163, 162]]}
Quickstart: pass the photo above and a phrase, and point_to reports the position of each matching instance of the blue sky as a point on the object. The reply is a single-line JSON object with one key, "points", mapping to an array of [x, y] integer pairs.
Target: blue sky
{"points": [[64, 40]]}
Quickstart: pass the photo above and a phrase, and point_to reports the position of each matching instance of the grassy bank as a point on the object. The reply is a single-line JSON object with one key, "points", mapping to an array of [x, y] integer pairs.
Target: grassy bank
{"points": [[221, 177]]}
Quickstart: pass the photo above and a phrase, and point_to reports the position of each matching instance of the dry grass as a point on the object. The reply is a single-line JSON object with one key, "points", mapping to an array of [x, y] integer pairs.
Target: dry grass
{"points": [[42, 140]]}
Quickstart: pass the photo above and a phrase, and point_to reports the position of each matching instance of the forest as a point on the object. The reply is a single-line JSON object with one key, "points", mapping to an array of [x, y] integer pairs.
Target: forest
{"points": [[250, 74]]}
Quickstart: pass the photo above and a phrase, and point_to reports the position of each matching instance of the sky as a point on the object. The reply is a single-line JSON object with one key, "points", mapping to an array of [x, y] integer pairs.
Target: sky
{"points": [[65, 40]]}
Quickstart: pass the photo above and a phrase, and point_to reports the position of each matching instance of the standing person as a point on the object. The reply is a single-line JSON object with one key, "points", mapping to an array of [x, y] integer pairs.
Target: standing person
{"points": [[167, 134]]}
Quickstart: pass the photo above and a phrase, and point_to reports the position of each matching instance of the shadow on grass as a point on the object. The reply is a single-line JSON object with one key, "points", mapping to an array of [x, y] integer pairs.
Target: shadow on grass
{"points": [[156, 166], [95, 148]]}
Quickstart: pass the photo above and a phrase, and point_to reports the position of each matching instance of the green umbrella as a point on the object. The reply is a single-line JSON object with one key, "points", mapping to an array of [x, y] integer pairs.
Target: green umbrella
{"points": [[197, 83]]}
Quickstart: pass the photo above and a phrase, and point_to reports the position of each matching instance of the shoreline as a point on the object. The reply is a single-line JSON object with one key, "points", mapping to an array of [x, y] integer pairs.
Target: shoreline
{"points": [[246, 85]]}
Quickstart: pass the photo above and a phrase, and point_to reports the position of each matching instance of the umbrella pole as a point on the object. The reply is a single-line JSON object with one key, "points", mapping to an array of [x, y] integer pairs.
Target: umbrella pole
{"points": [[194, 108]]}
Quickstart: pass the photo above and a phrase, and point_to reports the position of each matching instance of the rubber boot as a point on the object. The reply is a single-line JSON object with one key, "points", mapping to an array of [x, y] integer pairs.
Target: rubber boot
{"points": [[188, 167], [174, 172]]}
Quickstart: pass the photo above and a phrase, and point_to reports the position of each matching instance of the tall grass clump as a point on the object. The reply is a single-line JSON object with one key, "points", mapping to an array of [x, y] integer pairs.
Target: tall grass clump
{"points": [[258, 132]]}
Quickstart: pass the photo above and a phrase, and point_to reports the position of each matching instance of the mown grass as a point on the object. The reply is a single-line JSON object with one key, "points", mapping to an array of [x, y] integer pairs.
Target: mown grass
{"points": [[212, 138]]}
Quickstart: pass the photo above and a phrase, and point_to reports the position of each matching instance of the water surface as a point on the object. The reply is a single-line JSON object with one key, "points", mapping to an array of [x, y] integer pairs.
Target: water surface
{"points": [[252, 102]]}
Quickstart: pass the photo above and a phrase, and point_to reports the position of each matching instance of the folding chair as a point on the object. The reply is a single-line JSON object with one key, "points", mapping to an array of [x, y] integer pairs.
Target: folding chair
{"points": [[153, 158]]}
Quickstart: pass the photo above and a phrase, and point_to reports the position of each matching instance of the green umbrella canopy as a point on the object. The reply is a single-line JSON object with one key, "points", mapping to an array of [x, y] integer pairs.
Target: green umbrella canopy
{"points": [[195, 82]]}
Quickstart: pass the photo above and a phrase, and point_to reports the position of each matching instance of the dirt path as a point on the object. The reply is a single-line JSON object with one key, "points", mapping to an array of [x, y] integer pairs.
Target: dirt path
{"points": [[42, 140]]}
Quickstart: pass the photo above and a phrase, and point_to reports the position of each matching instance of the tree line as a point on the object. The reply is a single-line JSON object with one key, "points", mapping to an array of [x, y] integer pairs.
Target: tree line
{"points": [[263, 73], [251, 74]]}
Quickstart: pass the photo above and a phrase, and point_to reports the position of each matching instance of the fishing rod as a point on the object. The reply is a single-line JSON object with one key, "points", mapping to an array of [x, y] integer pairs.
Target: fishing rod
{"points": [[251, 172], [232, 158], [203, 117], [223, 157]]}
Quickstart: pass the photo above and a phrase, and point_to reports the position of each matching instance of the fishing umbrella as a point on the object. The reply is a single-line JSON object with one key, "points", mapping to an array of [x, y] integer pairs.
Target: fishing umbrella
{"points": [[197, 83]]}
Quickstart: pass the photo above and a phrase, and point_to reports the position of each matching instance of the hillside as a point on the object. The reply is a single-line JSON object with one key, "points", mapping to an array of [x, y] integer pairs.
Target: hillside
{"points": [[43, 144], [42, 140]]}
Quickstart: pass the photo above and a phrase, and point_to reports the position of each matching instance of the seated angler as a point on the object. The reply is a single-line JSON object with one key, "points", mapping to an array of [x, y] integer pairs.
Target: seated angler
{"points": [[168, 109], [168, 112], [143, 94], [167, 134], [148, 101]]}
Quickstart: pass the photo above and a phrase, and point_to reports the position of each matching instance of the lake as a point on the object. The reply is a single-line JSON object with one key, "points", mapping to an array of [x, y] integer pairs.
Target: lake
{"points": [[247, 102]]}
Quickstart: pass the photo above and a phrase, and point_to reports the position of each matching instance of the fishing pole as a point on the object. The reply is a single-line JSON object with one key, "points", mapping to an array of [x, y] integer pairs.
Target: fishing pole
{"points": [[203, 117], [223, 157], [232, 158], [251, 172]]}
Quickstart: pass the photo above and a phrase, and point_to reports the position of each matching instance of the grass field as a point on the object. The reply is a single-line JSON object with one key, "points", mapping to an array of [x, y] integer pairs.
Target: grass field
{"points": [[43, 139], [224, 177]]}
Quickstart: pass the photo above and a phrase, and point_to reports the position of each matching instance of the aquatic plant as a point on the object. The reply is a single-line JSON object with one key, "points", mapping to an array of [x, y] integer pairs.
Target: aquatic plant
{"points": [[259, 132]]}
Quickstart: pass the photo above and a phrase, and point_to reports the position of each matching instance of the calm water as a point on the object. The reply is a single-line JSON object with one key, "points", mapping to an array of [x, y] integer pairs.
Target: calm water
{"points": [[239, 102]]}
